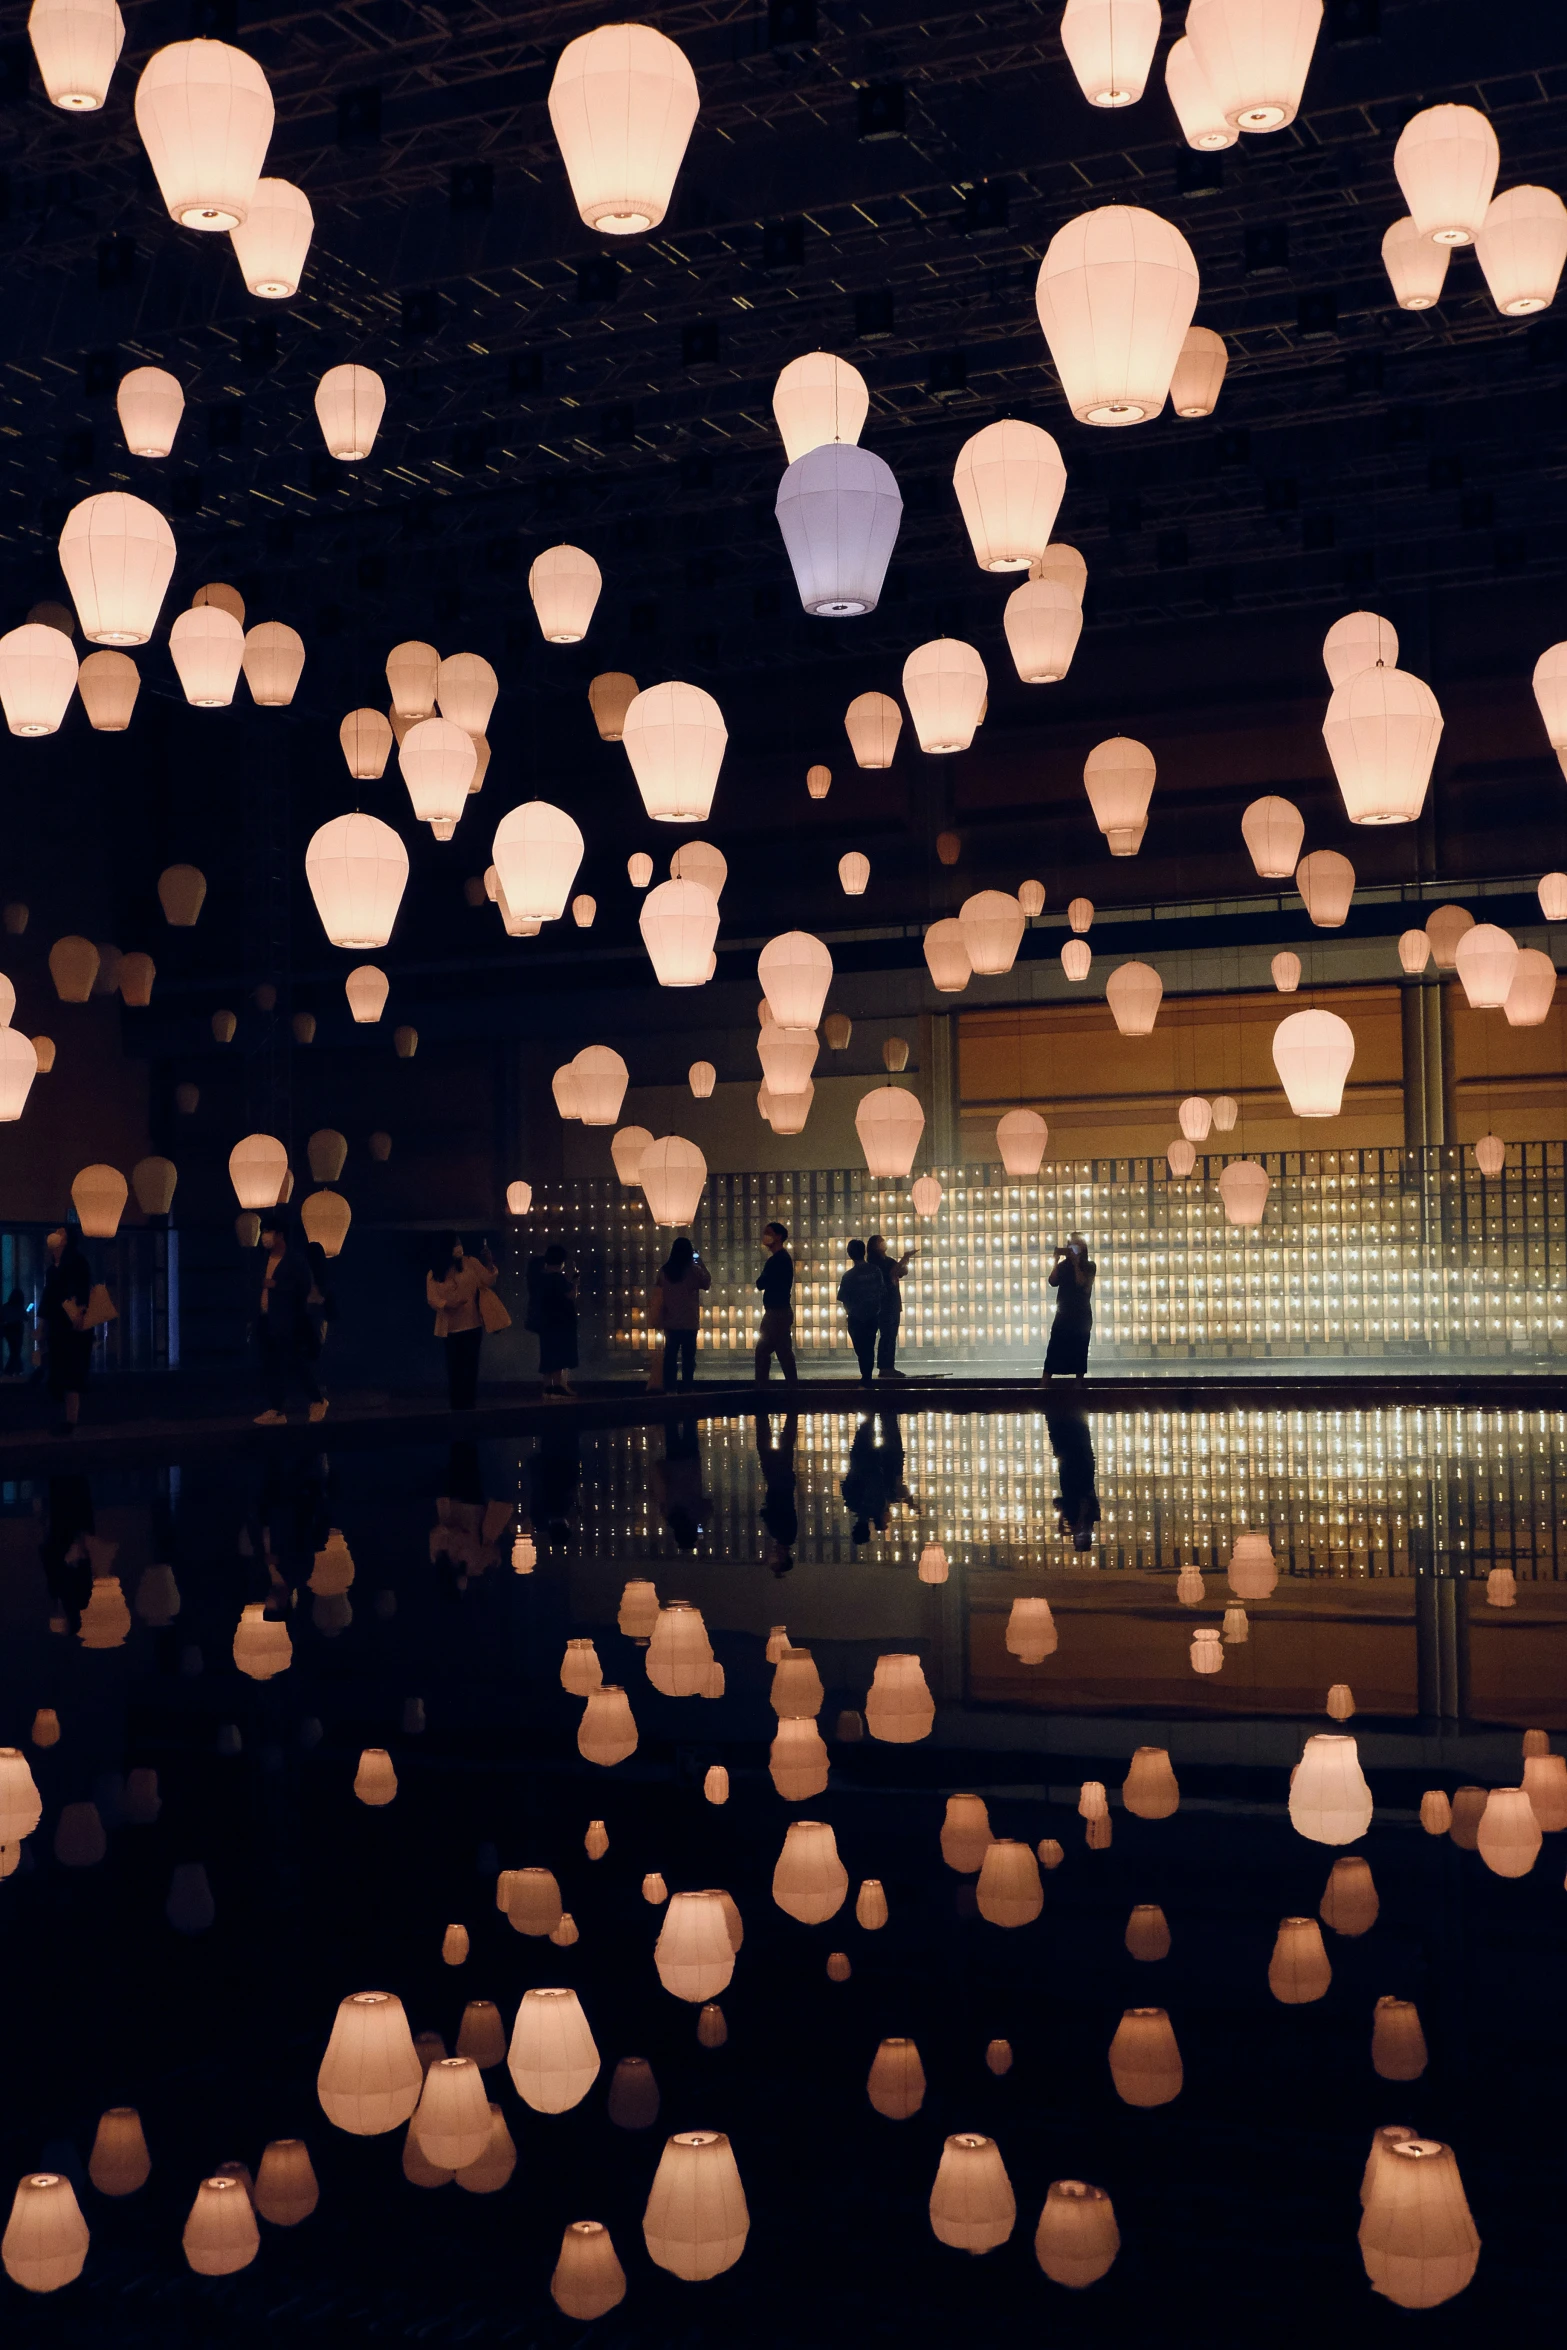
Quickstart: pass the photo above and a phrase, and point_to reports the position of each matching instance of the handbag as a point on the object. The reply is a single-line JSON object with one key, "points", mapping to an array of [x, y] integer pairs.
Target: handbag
{"points": [[492, 1314], [100, 1308]]}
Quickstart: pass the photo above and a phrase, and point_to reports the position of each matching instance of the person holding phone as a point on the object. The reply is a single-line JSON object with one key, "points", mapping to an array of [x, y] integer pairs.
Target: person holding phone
{"points": [[1072, 1279]]}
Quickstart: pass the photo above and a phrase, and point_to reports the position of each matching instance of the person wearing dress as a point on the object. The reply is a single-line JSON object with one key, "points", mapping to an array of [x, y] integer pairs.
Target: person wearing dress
{"points": [[1072, 1279], [452, 1288], [677, 1309]]}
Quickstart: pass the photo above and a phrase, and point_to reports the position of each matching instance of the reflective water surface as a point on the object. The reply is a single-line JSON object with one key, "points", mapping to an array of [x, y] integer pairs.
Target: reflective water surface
{"points": [[410, 1630]]}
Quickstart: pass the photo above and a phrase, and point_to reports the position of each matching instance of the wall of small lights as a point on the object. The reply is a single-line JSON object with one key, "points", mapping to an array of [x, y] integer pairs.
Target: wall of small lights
{"points": [[1372, 1254], [1351, 1495]]}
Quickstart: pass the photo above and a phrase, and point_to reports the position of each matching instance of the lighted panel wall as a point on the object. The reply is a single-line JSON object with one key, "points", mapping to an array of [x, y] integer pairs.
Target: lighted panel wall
{"points": [[1361, 1255]]}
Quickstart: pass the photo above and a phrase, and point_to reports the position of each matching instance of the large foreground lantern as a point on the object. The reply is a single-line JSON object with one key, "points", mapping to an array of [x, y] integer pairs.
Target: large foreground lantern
{"points": [[819, 398], [679, 922], [370, 2077], [1109, 45], [537, 849], [1115, 296], [1313, 1052], [205, 115], [1197, 110], [271, 242], [357, 868], [117, 554], [622, 104], [1446, 163], [1010, 481], [77, 44], [696, 2221], [1521, 247], [945, 686], [1254, 56], [674, 736], [1118, 776], [1381, 732], [838, 508]]}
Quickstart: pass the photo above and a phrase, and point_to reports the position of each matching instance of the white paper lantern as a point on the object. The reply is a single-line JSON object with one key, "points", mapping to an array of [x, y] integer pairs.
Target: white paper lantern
{"points": [[946, 957], [204, 112], [1197, 110], [839, 509], [271, 242], [1552, 892], [679, 922], [1521, 247], [1313, 1052], [673, 1174], [437, 760], [945, 685], [1080, 914], [889, 1123], [413, 676], [18, 1068], [1490, 1154], [1010, 481], [1286, 971], [1021, 1137], [1487, 963], [816, 399], [1118, 776], [854, 872], [1243, 1187], [795, 970], [622, 103], [1077, 958], [537, 849], [274, 662], [1109, 45], [1254, 56], [1181, 1158], [1446, 163], [1043, 620], [563, 1085], [46, 2237], [77, 44], [1273, 830], [788, 1056], [1416, 268], [1533, 991], [1382, 731], [1326, 881], [1195, 1117], [465, 691], [357, 869], [1329, 1801], [1361, 640], [702, 1077], [696, 2221], [992, 924], [366, 738], [873, 723], [1115, 296], [117, 554], [1414, 951], [207, 647], [674, 737], [38, 671], [1199, 373], [564, 583], [1226, 1109], [1134, 992], [149, 403], [350, 403]]}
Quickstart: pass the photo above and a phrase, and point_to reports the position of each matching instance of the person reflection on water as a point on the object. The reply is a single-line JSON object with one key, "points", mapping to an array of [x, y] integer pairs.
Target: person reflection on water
{"points": [[780, 1510], [874, 1478], [677, 1483], [1072, 1279], [1077, 1503]]}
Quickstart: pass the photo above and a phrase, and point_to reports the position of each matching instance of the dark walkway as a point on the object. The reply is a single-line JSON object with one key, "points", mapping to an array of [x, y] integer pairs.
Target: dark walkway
{"points": [[132, 1420]]}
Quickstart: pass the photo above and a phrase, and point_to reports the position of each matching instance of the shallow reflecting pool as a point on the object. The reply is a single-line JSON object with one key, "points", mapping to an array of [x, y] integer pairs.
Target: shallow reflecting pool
{"points": [[204, 1887]]}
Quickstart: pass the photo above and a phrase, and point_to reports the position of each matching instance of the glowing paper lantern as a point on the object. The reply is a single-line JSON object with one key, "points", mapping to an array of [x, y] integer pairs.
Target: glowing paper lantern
{"points": [[810, 1882], [1533, 990], [38, 672], [626, 1149], [992, 924], [271, 242], [972, 2206], [1382, 731], [119, 2163], [357, 869], [1417, 2235], [944, 684], [204, 112], [696, 2221], [274, 662], [588, 2280], [679, 922], [1416, 268], [45, 2241], [1150, 1789], [1521, 245], [109, 685], [1445, 929], [1115, 296], [1010, 481], [896, 2082], [207, 647], [117, 554], [1349, 1903], [1226, 1109], [553, 2059], [1253, 1571], [537, 849], [77, 44], [465, 691], [1145, 2063], [1254, 56], [1199, 373], [610, 696], [1021, 1137], [1134, 992], [286, 2189], [1031, 1633], [98, 1195], [673, 1175], [838, 509], [1414, 951], [602, 1078], [889, 1123], [370, 2076], [1119, 778], [946, 957], [1077, 958], [1327, 883], [795, 970], [1446, 162], [622, 103], [1009, 1892], [1043, 620], [1329, 1801], [698, 860], [818, 399], [1313, 1053], [1298, 1971], [1273, 830], [899, 1708], [1077, 2239], [1487, 961], [350, 403], [1109, 45], [1197, 110], [873, 723], [1398, 2045], [437, 759], [1508, 1839], [1243, 1187], [787, 1055], [21, 1805], [674, 736], [413, 673]]}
